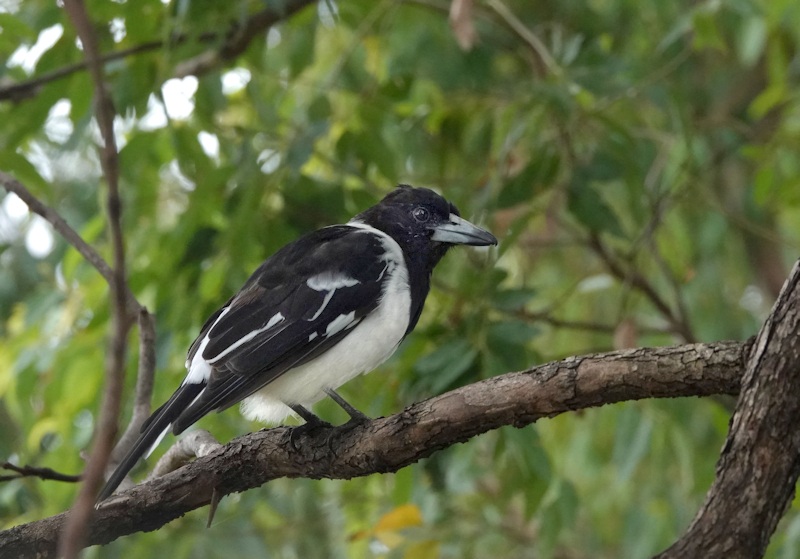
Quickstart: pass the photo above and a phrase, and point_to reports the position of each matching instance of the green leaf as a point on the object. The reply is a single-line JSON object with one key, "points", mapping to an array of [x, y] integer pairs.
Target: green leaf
{"points": [[707, 34], [443, 367], [301, 48], [512, 299], [534, 179], [752, 40], [586, 204]]}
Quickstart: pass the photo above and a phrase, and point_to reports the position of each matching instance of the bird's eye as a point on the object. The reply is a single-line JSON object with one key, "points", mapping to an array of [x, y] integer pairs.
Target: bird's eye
{"points": [[421, 214]]}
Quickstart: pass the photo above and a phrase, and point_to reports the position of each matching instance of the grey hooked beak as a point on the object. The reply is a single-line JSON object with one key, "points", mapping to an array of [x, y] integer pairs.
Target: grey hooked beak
{"points": [[459, 231]]}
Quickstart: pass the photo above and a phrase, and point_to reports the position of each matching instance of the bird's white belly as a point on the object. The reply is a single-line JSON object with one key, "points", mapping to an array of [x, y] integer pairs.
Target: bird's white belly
{"points": [[368, 345]]}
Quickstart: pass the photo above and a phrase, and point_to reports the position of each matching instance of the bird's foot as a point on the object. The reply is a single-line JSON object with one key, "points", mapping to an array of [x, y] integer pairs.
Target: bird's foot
{"points": [[312, 422]]}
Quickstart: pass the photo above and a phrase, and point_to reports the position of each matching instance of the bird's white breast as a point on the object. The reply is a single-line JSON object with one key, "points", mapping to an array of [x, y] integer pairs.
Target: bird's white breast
{"points": [[371, 342]]}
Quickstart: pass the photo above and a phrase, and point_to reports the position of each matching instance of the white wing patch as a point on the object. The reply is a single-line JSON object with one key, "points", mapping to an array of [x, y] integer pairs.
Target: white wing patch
{"points": [[330, 282]]}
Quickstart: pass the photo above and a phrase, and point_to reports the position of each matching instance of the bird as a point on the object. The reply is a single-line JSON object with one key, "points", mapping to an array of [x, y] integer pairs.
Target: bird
{"points": [[327, 307]]}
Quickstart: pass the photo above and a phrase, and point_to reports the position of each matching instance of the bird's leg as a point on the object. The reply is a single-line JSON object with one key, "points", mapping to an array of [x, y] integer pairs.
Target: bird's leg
{"points": [[312, 420], [355, 415]]}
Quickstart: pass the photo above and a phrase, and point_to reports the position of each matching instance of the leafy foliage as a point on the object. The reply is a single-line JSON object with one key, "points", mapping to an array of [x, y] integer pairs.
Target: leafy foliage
{"points": [[661, 133]]}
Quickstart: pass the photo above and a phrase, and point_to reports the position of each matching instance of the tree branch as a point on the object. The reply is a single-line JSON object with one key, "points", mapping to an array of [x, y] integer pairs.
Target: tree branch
{"points": [[144, 387], [63, 228], [678, 323], [23, 90], [53, 218], [195, 444], [33, 471], [239, 36], [760, 462], [545, 63], [75, 528], [388, 444]]}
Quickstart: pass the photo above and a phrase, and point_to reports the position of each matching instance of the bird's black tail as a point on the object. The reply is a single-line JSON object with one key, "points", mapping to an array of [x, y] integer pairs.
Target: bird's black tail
{"points": [[153, 429]]}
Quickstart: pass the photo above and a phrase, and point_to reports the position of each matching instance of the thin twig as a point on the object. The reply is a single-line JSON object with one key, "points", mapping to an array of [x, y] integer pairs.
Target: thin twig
{"points": [[545, 61], [238, 39], [144, 385], [34, 471], [62, 227], [239, 35], [75, 530], [65, 230], [24, 90], [640, 283]]}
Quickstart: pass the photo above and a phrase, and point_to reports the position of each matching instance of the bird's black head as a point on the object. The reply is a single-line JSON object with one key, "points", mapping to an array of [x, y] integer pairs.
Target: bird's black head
{"points": [[424, 224]]}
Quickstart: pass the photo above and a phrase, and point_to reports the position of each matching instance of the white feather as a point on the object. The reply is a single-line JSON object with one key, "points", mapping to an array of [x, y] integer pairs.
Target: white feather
{"points": [[199, 369], [278, 317], [340, 323], [329, 282]]}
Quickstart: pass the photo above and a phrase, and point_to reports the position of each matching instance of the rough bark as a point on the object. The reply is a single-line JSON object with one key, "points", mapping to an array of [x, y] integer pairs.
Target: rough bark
{"points": [[388, 444], [760, 462]]}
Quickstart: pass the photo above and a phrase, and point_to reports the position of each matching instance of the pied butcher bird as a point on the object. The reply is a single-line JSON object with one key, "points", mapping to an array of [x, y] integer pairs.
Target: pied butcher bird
{"points": [[322, 310]]}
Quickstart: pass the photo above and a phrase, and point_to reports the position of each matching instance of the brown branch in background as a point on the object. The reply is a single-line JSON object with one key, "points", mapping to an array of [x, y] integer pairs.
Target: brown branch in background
{"points": [[633, 278], [195, 444], [759, 466], [544, 61], [62, 227], [144, 386], [239, 38], [24, 90], [123, 302], [147, 357], [390, 443], [239, 35], [74, 533], [33, 471]]}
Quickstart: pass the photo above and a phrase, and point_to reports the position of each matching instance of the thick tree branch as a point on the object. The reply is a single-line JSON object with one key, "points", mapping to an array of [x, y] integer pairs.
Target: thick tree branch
{"points": [[760, 463], [388, 444]]}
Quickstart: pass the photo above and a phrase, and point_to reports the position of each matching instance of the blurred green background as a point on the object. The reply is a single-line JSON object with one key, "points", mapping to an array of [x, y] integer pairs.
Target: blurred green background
{"points": [[637, 159]]}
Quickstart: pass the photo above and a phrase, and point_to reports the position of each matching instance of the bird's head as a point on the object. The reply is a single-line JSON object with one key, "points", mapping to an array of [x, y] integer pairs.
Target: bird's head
{"points": [[423, 223]]}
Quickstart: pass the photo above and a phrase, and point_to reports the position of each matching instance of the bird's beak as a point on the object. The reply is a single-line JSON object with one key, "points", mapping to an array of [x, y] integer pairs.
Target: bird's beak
{"points": [[459, 231]]}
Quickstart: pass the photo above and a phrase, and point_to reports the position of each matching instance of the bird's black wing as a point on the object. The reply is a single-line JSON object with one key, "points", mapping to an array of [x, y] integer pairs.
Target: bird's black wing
{"points": [[298, 304]]}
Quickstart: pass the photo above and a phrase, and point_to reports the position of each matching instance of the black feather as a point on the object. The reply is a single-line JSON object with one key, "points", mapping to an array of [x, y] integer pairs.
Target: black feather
{"points": [[152, 429]]}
